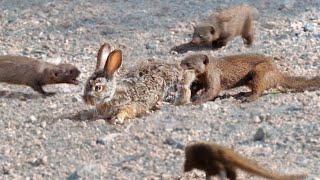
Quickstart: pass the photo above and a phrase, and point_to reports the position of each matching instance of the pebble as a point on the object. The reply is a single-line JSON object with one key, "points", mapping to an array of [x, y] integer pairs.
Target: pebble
{"points": [[257, 119], [33, 118], [259, 135], [152, 45], [173, 143], [309, 27]]}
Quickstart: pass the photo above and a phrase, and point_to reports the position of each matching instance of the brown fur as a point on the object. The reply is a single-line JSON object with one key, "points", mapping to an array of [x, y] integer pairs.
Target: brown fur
{"points": [[30, 72], [255, 71], [121, 97], [221, 27], [218, 160], [184, 88]]}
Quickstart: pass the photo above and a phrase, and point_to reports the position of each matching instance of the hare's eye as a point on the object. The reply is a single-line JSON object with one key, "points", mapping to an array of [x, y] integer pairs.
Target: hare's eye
{"points": [[98, 88]]}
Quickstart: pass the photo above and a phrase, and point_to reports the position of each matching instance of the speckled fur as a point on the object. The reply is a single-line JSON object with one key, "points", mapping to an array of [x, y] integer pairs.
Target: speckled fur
{"points": [[136, 91]]}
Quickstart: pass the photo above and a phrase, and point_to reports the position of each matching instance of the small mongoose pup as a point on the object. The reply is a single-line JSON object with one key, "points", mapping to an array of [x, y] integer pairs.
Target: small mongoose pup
{"points": [[258, 72], [218, 160], [221, 27], [31, 72]]}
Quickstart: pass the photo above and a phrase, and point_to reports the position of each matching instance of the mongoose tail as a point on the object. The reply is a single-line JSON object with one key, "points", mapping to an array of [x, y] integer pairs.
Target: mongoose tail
{"points": [[249, 166], [300, 84]]}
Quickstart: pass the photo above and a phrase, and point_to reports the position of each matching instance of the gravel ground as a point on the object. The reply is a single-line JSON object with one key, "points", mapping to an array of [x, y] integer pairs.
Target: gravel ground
{"points": [[51, 138]]}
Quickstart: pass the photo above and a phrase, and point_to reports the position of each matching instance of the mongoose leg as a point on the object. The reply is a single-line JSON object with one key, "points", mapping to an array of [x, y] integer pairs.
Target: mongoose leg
{"points": [[262, 80], [223, 175], [208, 176], [212, 90], [248, 32], [38, 88], [231, 173]]}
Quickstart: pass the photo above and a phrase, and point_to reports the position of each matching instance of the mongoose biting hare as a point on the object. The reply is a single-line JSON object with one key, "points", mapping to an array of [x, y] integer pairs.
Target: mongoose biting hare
{"points": [[255, 71], [136, 91], [221, 27], [31, 72], [218, 160]]}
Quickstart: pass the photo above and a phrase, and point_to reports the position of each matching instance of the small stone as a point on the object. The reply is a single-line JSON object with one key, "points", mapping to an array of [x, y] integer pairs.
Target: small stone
{"points": [[6, 170], [76, 99], [308, 27], [32, 118], [53, 106], [259, 135], [101, 140], [43, 124], [257, 119], [100, 121], [39, 161], [82, 124], [173, 143], [151, 45], [269, 25]]}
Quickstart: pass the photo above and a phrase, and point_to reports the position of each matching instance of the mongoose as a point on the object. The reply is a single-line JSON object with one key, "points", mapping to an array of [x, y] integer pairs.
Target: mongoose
{"points": [[221, 27], [184, 88], [218, 160], [258, 72], [31, 72]]}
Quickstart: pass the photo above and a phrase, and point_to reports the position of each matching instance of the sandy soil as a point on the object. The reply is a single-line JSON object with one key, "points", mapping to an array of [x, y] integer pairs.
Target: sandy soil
{"points": [[51, 138]]}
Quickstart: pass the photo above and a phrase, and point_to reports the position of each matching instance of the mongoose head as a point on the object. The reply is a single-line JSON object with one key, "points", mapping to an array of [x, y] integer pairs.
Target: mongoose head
{"points": [[204, 34], [197, 62], [101, 86], [197, 156], [64, 73]]}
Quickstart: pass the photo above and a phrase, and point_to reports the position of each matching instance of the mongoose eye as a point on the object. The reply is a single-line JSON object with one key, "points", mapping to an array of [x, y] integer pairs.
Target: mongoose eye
{"points": [[98, 88], [201, 36]]}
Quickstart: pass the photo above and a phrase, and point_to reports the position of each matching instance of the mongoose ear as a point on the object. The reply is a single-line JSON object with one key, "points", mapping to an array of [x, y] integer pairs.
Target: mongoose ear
{"points": [[102, 56], [206, 60], [212, 30], [113, 63]]}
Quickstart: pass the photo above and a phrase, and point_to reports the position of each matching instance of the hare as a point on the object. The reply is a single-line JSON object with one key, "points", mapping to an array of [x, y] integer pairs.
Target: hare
{"points": [[119, 97]]}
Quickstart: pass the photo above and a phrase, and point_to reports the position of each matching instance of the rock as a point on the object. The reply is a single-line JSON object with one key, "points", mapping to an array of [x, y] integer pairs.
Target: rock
{"points": [[104, 139], [33, 118], [259, 135], [90, 171], [287, 4], [173, 143], [309, 27], [152, 45], [39, 161], [76, 99], [269, 25], [257, 119]]}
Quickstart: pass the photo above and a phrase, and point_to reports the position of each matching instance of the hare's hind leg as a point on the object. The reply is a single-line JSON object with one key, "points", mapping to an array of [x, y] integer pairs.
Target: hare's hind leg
{"points": [[128, 111]]}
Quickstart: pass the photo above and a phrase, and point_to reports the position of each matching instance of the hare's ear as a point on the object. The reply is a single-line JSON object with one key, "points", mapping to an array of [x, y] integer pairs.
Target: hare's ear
{"points": [[103, 54], [113, 63]]}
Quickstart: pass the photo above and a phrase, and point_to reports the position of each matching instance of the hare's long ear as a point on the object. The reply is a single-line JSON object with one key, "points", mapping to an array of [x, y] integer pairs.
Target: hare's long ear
{"points": [[103, 54], [113, 63]]}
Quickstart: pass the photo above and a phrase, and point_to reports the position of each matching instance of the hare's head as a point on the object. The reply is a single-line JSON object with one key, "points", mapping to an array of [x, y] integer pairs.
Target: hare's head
{"points": [[101, 86]]}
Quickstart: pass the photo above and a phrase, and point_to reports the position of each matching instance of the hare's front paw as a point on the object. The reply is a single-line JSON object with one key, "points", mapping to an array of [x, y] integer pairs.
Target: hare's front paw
{"points": [[117, 120]]}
